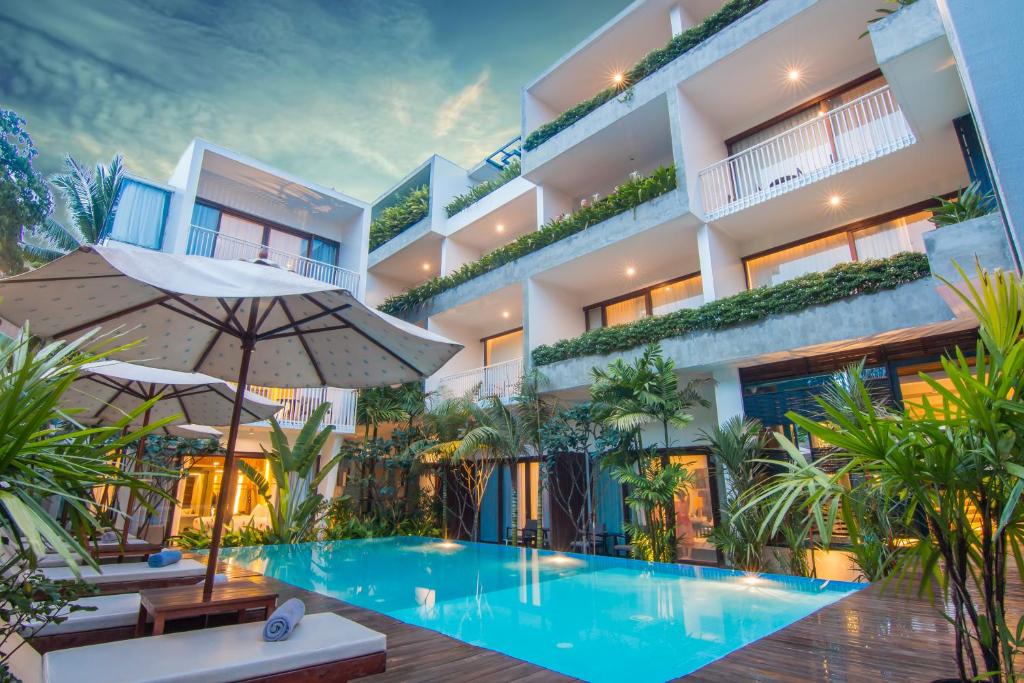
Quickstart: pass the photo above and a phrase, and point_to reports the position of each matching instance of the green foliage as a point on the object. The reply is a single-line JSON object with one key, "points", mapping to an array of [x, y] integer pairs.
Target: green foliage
{"points": [[199, 539], [43, 455], [478, 192], [25, 200], [652, 489], [839, 282], [293, 503], [342, 522], [29, 602], [655, 60], [737, 446], [628, 196], [950, 470], [392, 221], [970, 203], [89, 196]]}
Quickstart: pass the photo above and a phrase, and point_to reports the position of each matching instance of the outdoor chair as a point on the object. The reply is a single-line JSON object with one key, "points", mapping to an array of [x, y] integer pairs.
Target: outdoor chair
{"points": [[126, 578], [596, 540], [113, 619], [323, 647]]}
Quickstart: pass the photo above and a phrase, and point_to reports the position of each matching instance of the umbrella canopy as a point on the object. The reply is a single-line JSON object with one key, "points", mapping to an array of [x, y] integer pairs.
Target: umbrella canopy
{"points": [[225, 318], [194, 432], [106, 390], [197, 313]]}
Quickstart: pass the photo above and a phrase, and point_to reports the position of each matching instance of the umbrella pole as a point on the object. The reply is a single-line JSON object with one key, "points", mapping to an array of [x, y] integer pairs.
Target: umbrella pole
{"points": [[229, 469], [139, 451]]}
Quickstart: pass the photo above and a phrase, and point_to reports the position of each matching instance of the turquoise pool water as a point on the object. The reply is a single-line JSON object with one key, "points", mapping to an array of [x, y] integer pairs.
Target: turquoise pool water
{"points": [[595, 618]]}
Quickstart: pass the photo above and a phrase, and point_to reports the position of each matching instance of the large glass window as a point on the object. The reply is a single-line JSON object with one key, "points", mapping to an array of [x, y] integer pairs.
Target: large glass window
{"points": [[685, 292], [693, 516], [505, 347], [139, 215], [886, 237], [809, 257]]}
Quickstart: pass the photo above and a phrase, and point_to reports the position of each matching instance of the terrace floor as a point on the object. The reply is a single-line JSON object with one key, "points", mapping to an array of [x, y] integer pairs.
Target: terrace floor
{"points": [[870, 636]]}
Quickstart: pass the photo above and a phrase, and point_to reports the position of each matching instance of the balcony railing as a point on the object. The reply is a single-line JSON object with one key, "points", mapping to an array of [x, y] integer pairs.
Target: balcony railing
{"points": [[299, 404], [857, 132], [205, 242], [500, 379]]}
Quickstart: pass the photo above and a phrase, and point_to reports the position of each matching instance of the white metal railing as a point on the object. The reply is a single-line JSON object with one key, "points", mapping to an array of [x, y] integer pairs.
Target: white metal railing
{"points": [[299, 404], [861, 130], [205, 242], [500, 379]]}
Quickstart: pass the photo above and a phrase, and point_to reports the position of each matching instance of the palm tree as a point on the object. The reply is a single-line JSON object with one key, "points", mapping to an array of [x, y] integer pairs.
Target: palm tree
{"points": [[293, 501], [89, 197], [444, 423], [533, 411]]}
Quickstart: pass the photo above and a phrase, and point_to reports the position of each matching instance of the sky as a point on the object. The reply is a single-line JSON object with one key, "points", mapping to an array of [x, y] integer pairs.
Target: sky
{"points": [[351, 94]]}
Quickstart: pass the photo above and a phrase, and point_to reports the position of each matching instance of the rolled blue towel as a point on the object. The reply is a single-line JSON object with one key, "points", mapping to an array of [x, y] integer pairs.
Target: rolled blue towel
{"points": [[284, 619], [164, 558]]}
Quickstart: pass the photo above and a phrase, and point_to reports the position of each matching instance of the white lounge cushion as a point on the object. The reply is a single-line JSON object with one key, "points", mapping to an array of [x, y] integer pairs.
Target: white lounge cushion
{"points": [[214, 655], [134, 571], [112, 611], [54, 560]]}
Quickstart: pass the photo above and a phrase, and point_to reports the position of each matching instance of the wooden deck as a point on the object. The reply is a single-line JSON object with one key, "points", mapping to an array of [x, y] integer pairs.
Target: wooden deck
{"points": [[869, 637]]}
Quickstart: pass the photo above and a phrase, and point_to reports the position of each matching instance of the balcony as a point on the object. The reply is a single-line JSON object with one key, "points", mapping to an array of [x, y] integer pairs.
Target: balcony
{"points": [[500, 379], [864, 129], [299, 404], [205, 242]]}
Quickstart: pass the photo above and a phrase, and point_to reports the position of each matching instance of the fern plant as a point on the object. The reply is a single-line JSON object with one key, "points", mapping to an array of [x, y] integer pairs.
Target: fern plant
{"points": [[292, 499], [969, 203]]}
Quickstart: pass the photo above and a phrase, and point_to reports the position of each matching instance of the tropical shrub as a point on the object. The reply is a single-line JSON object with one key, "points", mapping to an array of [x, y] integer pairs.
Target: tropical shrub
{"points": [[200, 539], [628, 196], [969, 203], [478, 192], [293, 502], [678, 46], [25, 200], [394, 220], [839, 282], [955, 466]]}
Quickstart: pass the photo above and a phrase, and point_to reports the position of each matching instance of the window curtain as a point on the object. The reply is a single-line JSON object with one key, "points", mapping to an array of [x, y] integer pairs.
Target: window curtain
{"points": [[893, 237], [238, 238], [140, 215], [324, 251], [811, 257], [688, 293], [202, 235], [626, 311]]}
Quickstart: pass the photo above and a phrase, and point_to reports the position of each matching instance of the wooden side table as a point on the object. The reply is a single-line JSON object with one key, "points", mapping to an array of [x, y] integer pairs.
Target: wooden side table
{"points": [[179, 602]]}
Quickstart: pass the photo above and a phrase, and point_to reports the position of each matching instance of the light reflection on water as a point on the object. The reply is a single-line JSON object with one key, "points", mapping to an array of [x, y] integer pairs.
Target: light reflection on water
{"points": [[590, 617]]}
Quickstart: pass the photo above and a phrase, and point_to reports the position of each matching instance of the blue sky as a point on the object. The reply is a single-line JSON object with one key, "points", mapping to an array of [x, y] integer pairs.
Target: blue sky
{"points": [[347, 93]]}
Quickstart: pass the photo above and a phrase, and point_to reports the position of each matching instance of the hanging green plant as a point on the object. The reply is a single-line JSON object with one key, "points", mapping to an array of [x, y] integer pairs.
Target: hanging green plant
{"points": [[395, 220], [839, 282], [478, 192]]}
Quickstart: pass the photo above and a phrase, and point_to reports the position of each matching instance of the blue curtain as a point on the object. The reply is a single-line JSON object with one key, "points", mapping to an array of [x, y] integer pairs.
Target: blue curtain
{"points": [[609, 502], [140, 215], [202, 242], [489, 511], [325, 251]]}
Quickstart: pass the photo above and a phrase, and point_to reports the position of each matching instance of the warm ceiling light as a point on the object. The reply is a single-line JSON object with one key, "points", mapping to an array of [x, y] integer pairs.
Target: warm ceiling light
{"points": [[630, 271], [618, 78], [505, 314], [835, 200], [793, 75], [500, 227], [426, 266]]}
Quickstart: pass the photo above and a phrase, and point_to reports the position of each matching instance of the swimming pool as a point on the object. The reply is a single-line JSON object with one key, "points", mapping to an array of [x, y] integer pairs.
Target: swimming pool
{"points": [[595, 618]]}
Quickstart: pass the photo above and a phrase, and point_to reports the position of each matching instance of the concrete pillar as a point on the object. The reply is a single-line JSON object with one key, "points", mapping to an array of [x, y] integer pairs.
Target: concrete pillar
{"points": [[728, 393], [985, 38], [550, 204], [679, 19], [721, 267], [551, 314]]}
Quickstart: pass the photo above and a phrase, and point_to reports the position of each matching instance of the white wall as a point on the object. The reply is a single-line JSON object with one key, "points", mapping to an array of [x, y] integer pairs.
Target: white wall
{"points": [[455, 254], [552, 314], [700, 141], [721, 267]]}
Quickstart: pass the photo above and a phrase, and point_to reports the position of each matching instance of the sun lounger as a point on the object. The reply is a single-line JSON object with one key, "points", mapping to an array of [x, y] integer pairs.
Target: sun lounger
{"points": [[324, 647], [113, 619], [125, 578]]}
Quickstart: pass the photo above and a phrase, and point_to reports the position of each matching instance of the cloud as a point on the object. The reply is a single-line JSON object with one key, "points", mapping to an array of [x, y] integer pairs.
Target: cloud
{"points": [[452, 110]]}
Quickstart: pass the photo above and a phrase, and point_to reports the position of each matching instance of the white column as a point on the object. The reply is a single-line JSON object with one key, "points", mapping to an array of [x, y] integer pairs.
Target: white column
{"points": [[721, 267], [728, 393], [550, 204], [680, 19], [454, 254]]}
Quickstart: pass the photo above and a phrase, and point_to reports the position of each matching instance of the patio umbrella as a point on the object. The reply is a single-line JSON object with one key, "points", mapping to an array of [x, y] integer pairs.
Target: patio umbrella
{"points": [[230, 319], [104, 391], [191, 431]]}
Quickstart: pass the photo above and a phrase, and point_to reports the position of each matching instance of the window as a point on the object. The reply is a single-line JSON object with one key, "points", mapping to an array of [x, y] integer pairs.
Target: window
{"points": [[504, 347], [666, 297], [694, 520], [224, 234], [879, 237], [139, 215]]}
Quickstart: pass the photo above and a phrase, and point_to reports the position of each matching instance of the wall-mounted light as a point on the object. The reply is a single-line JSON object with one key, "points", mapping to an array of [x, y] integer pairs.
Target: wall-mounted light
{"points": [[793, 74], [499, 227], [835, 201], [630, 271], [426, 266], [618, 78], [505, 314]]}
